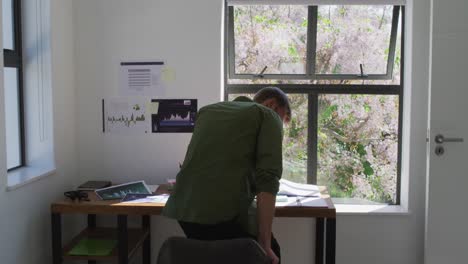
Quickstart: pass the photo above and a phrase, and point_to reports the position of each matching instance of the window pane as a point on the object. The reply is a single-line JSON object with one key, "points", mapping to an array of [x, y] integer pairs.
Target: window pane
{"points": [[358, 147], [231, 97], [397, 61], [351, 35], [12, 119], [272, 36], [295, 140], [8, 32]]}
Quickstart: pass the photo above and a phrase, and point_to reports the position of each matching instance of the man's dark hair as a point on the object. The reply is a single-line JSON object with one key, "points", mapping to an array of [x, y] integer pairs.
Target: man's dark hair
{"points": [[273, 92]]}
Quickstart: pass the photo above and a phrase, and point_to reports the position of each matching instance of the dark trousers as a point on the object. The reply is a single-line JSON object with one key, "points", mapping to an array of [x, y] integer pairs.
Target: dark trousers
{"points": [[221, 231]]}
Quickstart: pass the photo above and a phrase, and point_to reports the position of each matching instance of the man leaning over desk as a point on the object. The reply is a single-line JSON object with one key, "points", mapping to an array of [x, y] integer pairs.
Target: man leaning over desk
{"points": [[235, 153]]}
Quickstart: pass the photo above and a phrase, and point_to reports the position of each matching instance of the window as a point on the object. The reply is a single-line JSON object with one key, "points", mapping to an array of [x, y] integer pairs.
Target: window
{"points": [[342, 68], [13, 83]]}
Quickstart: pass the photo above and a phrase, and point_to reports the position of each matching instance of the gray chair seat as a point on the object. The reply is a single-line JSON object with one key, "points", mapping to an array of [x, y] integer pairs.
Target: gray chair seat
{"points": [[179, 250]]}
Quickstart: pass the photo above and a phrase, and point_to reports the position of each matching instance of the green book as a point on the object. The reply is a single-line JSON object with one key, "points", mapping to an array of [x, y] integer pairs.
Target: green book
{"points": [[93, 247]]}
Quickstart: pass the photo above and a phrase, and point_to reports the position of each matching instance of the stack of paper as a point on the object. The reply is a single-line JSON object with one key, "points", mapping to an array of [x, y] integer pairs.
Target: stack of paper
{"points": [[151, 199], [302, 201], [297, 189]]}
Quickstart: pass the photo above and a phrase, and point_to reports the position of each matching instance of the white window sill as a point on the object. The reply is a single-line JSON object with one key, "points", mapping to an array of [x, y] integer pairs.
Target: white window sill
{"points": [[25, 175], [359, 209]]}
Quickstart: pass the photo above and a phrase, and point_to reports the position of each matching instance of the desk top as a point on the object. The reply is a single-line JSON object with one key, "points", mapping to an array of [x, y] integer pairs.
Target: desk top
{"points": [[115, 207]]}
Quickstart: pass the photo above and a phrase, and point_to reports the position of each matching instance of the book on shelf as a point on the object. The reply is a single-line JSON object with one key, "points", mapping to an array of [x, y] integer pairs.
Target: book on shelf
{"points": [[93, 185], [93, 247]]}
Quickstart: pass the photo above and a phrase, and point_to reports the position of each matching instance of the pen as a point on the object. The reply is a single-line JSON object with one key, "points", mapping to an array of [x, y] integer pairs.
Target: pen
{"points": [[298, 201]]}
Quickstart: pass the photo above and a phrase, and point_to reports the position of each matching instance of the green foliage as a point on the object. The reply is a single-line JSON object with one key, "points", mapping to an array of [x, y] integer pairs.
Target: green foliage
{"points": [[361, 150], [294, 130], [342, 11], [367, 107], [292, 51], [336, 69], [368, 171], [327, 114]]}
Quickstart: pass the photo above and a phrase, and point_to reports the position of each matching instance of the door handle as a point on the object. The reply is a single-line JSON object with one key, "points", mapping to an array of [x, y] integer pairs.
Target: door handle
{"points": [[439, 139]]}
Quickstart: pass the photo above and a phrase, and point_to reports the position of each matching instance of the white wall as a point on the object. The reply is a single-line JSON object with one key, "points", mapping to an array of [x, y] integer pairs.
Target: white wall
{"points": [[25, 215], [187, 35]]}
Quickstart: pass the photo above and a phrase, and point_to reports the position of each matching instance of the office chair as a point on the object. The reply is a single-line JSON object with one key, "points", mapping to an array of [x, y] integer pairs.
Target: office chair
{"points": [[179, 250]]}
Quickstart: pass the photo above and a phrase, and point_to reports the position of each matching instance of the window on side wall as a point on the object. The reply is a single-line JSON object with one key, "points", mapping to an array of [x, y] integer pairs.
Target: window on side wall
{"points": [[341, 66], [13, 83]]}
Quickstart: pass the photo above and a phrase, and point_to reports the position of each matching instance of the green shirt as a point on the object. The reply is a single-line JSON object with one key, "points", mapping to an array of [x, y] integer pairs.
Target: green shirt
{"points": [[235, 152]]}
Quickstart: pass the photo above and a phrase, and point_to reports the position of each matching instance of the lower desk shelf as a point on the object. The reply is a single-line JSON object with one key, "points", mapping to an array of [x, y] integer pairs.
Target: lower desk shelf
{"points": [[136, 236]]}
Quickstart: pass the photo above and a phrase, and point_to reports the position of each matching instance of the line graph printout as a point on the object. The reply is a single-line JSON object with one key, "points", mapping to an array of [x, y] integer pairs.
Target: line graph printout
{"points": [[126, 116], [141, 79], [174, 115]]}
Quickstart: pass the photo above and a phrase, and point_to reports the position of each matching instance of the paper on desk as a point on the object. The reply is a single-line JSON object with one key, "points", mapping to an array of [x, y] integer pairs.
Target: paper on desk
{"points": [[151, 199], [281, 198], [303, 201], [153, 188], [297, 189]]}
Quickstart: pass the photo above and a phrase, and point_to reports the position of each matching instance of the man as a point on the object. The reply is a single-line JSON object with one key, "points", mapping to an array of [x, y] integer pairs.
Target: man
{"points": [[235, 153]]}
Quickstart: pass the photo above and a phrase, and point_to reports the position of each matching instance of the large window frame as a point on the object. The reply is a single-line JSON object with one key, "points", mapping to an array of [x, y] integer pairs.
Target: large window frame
{"points": [[13, 58], [314, 90]]}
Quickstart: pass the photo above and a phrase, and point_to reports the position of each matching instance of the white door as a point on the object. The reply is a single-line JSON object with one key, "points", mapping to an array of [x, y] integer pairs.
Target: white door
{"points": [[447, 196]]}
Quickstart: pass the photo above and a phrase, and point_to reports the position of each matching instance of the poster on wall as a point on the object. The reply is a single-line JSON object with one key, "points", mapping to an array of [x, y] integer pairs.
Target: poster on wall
{"points": [[124, 115], [142, 78], [173, 115]]}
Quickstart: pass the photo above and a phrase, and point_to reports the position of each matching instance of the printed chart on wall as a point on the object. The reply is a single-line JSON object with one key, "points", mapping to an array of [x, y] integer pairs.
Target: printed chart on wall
{"points": [[126, 116], [142, 79], [173, 115]]}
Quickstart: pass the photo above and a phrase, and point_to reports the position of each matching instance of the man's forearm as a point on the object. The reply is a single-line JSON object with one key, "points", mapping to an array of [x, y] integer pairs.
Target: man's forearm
{"points": [[265, 214]]}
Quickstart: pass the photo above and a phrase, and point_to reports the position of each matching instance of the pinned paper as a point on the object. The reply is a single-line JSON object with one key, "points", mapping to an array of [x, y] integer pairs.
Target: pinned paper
{"points": [[152, 107], [124, 115], [167, 74], [143, 78]]}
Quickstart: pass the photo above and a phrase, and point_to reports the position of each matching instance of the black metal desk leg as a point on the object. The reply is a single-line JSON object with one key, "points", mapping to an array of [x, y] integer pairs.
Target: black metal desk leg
{"points": [[122, 237], [330, 241], [91, 220], [56, 238], [319, 240], [92, 224], [146, 224]]}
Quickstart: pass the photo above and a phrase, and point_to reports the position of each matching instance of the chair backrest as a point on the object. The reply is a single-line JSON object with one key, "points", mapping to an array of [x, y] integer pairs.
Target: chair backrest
{"points": [[179, 250]]}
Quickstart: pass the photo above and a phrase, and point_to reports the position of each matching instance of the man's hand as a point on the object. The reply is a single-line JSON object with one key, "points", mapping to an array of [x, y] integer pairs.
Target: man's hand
{"points": [[265, 213], [271, 255]]}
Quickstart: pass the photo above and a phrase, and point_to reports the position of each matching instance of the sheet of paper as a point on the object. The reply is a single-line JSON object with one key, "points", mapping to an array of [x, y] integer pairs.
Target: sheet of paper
{"points": [[299, 189], [126, 116], [152, 108], [142, 78], [168, 74], [153, 188], [151, 199], [281, 198], [303, 201]]}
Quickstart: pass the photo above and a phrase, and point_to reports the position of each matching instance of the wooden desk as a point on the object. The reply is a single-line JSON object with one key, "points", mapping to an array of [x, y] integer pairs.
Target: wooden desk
{"points": [[129, 240]]}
